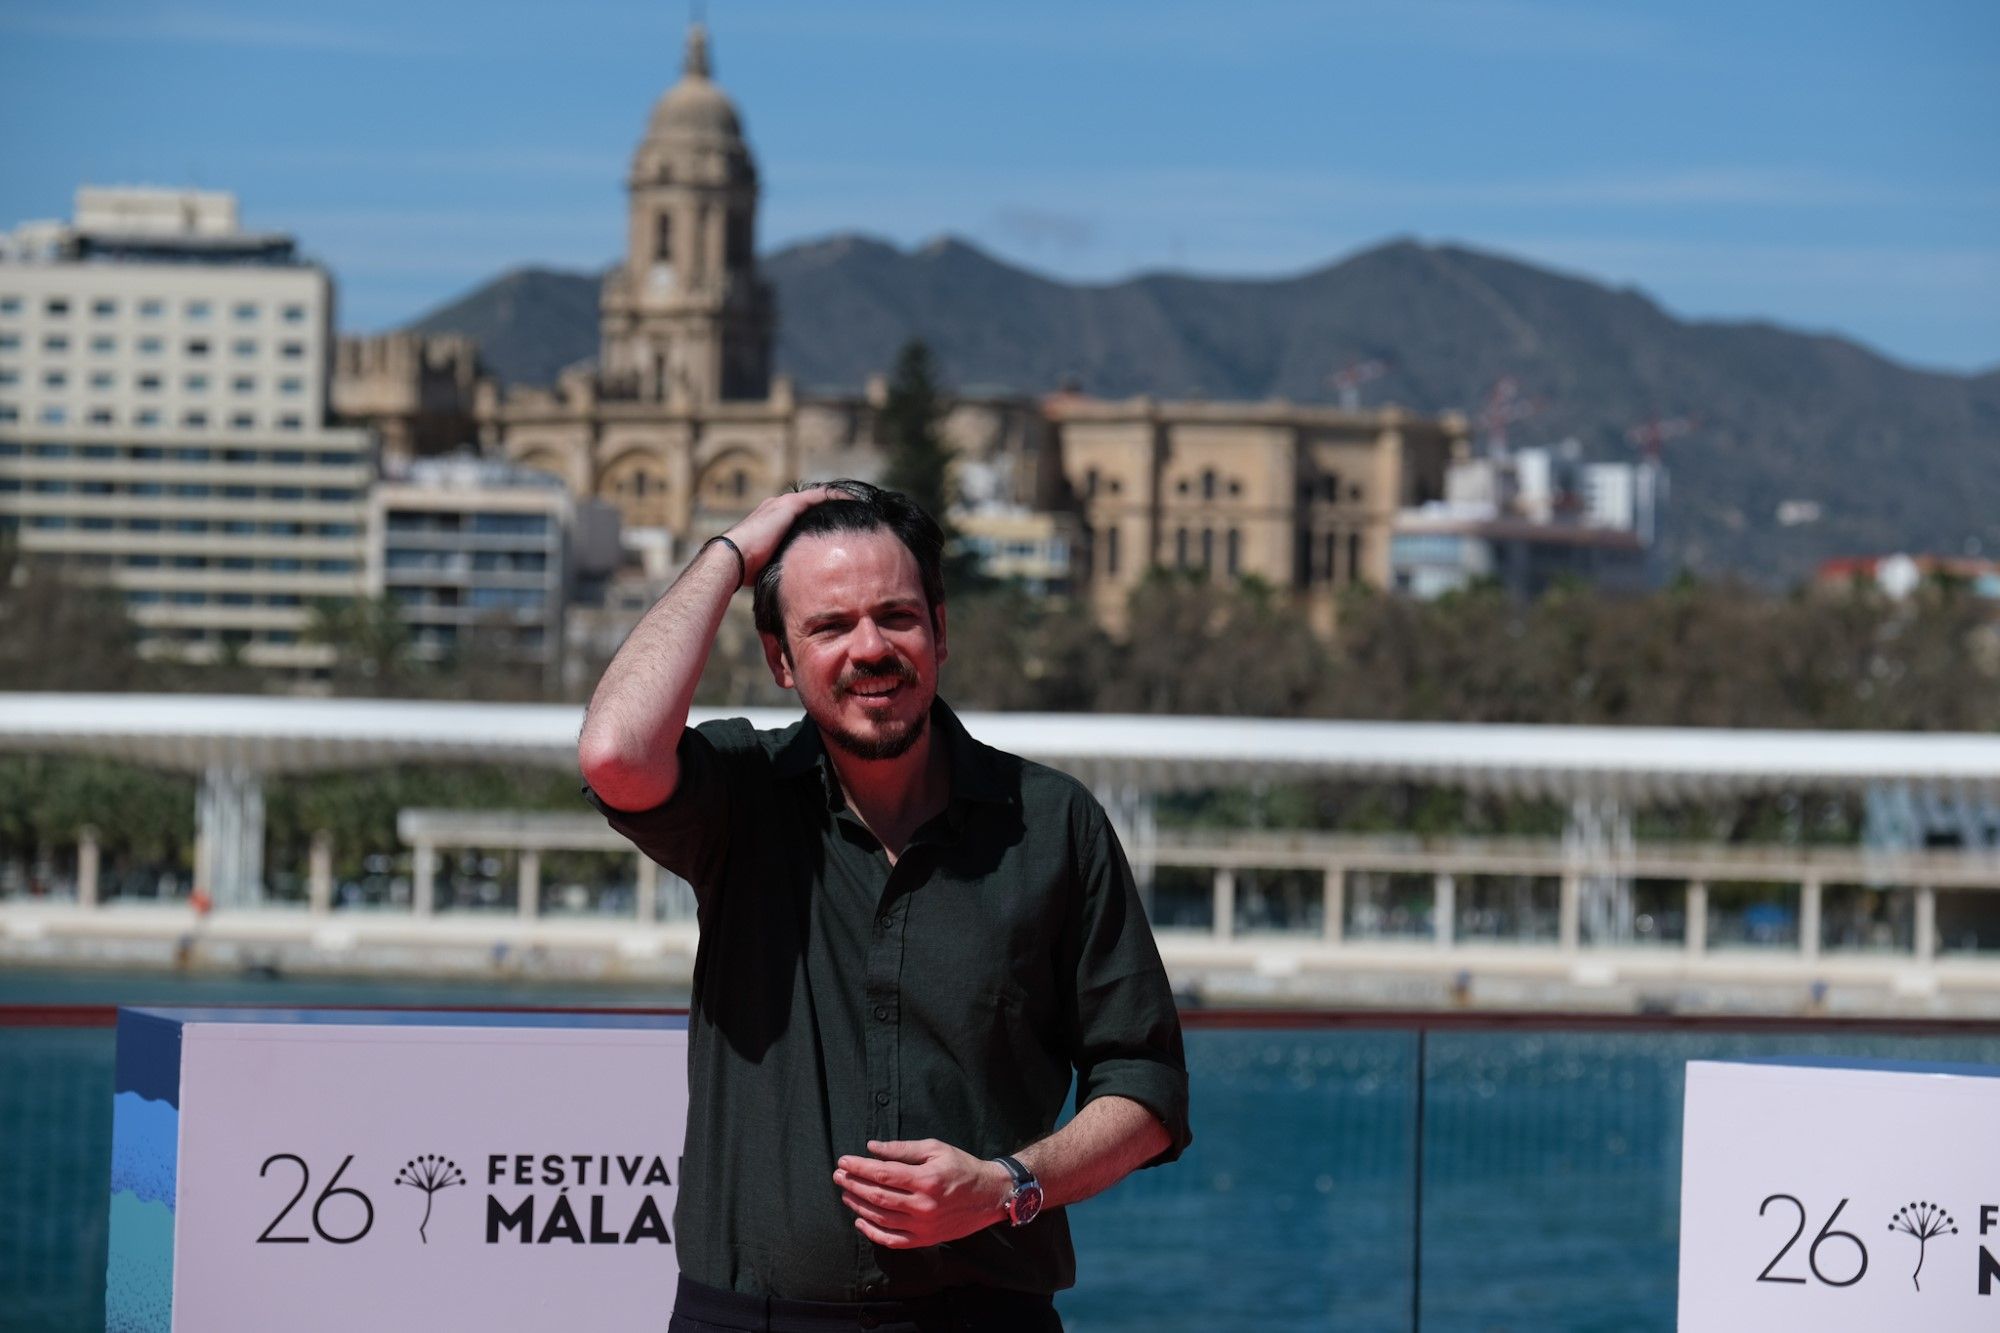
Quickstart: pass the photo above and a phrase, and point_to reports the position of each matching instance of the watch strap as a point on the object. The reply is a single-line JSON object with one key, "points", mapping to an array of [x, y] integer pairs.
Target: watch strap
{"points": [[1023, 1177]]}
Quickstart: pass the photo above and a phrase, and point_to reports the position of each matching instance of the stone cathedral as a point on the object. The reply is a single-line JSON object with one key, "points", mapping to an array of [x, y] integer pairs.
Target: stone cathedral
{"points": [[681, 424]]}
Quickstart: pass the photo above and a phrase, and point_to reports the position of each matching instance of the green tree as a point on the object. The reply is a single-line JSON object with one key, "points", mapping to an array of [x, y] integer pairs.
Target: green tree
{"points": [[61, 633], [1011, 650], [919, 459], [144, 817], [487, 663], [371, 645], [359, 806], [919, 462], [1198, 646]]}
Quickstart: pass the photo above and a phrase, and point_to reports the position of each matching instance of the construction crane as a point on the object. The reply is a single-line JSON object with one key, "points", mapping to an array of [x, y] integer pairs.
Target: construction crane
{"points": [[1504, 406], [1650, 436], [1350, 377]]}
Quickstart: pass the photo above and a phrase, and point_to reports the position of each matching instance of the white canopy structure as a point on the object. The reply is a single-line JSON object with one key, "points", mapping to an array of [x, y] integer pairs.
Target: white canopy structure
{"points": [[1603, 773], [1631, 765]]}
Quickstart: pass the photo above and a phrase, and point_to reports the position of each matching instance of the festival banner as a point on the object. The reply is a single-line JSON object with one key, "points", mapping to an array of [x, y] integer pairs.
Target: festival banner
{"points": [[1842, 1197], [330, 1170]]}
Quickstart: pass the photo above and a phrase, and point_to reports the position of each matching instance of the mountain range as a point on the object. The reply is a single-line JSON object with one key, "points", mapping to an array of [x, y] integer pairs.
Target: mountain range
{"points": [[1894, 458]]}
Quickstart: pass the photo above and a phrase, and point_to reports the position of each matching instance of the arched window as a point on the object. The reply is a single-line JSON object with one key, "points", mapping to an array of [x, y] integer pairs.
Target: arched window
{"points": [[1208, 483], [638, 488], [1207, 549], [1235, 552], [663, 238], [1180, 548]]}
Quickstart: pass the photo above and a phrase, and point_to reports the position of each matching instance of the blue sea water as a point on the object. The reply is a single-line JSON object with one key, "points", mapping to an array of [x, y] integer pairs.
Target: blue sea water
{"points": [[1551, 1169]]}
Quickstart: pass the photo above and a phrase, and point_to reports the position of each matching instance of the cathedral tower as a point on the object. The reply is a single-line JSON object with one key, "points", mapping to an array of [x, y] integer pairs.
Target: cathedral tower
{"points": [[686, 319]]}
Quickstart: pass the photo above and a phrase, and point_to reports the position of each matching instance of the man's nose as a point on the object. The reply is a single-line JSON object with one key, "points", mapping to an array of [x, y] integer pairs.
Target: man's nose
{"points": [[867, 645]]}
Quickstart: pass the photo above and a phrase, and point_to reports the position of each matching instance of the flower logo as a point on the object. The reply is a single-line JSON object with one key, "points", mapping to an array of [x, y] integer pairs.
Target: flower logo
{"points": [[429, 1174]]}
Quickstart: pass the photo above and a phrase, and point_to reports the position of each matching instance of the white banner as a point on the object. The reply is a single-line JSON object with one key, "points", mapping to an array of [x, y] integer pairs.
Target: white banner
{"points": [[1834, 1199], [381, 1177]]}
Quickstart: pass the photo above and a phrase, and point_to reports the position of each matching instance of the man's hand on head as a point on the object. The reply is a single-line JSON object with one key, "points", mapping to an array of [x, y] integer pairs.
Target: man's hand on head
{"points": [[764, 527], [907, 1195]]}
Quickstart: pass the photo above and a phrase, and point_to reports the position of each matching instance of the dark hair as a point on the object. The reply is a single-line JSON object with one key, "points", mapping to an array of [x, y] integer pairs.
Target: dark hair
{"points": [[863, 508]]}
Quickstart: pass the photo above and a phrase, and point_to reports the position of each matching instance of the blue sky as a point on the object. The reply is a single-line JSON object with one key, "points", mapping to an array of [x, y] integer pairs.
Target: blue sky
{"points": [[1829, 165]]}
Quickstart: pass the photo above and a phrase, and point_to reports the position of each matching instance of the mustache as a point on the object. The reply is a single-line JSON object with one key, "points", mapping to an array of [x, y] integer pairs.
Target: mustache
{"points": [[895, 669]]}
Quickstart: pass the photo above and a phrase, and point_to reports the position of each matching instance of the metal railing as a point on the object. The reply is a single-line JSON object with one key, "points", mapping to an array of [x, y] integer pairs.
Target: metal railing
{"points": [[1361, 1170]]}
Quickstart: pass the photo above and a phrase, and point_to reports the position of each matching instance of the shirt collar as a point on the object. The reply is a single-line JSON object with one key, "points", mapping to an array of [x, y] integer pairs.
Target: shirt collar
{"points": [[978, 771]]}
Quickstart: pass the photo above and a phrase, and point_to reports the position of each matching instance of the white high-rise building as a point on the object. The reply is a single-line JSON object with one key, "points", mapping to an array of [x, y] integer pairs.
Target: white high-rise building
{"points": [[163, 410]]}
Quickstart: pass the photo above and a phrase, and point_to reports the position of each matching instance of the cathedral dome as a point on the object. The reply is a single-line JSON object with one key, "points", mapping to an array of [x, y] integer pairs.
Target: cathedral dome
{"points": [[695, 108]]}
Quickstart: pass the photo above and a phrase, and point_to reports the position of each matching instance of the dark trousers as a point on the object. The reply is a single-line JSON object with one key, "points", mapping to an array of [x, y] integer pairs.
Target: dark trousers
{"points": [[699, 1309]]}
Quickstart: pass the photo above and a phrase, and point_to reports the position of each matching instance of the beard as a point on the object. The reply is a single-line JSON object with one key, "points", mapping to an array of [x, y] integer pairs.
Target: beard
{"points": [[889, 739], [893, 742]]}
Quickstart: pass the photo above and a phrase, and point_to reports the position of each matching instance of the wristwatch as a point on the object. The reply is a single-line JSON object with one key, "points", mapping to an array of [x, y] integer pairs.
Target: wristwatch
{"points": [[1024, 1201]]}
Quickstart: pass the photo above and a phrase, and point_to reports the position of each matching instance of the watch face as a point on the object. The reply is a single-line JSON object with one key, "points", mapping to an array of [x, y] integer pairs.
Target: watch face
{"points": [[1027, 1205]]}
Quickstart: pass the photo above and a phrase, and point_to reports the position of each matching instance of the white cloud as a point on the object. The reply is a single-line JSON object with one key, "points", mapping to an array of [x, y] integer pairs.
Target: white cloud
{"points": [[1044, 228]]}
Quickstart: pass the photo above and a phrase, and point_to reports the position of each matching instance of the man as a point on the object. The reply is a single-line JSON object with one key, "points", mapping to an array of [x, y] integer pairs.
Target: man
{"points": [[909, 941]]}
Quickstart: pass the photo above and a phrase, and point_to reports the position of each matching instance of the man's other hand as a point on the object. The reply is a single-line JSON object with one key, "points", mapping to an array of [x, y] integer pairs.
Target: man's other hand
{"points": [[923, 1192]]}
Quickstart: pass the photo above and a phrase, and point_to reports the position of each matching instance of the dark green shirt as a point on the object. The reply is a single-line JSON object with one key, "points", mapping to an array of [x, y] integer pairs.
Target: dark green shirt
{"points": [[838, 1000]]}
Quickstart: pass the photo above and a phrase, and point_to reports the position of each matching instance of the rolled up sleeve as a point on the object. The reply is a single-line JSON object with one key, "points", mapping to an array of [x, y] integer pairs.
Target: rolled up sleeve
{"points": [[1127, 1031], [688, 833]]}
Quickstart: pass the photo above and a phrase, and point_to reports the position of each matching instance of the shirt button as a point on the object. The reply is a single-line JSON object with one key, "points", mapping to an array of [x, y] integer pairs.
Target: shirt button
{"points": [[882, 1012], [881, 923], [881, 1099]]}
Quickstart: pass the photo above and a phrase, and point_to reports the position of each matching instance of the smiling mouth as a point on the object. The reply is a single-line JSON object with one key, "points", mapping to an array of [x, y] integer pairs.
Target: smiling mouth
{"points": [[879, 685]]}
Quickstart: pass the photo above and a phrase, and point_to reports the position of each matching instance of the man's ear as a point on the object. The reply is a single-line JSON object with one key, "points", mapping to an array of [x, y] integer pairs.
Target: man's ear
{"points": [[937, 628], [779, 660]]}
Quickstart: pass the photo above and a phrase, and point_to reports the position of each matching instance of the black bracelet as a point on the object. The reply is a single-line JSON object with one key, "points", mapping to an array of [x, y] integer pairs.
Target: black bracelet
{"points": [[742, 566]]}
